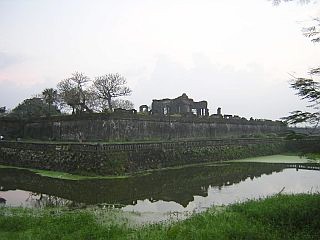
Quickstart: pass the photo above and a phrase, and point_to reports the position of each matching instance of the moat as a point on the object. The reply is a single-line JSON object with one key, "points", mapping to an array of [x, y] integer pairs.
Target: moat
{"points": [[187, 189]]}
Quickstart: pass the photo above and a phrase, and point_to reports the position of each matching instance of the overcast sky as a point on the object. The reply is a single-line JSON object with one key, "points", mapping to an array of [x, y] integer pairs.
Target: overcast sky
{"points": [[237, 55]]}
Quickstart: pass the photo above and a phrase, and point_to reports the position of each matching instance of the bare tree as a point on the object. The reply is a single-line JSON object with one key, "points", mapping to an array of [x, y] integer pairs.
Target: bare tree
{"points": [[313, 32], [277, 2], [121, 103], [111, 86], [93, 102], [73, 93]]}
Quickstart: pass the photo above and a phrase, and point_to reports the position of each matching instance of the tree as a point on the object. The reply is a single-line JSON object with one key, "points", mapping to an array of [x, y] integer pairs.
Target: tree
{"points": [[68, 94], [33, 107], [93, 102], [312, 32], [50, 96], [124, 104], [307, 88], [277, 2], [73, 93], [110, 86]]}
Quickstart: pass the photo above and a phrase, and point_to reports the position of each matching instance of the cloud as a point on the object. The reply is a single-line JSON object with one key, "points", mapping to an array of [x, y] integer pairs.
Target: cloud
{"points": [[12, 93], [230, 53], [7, 60], [241, 92]]}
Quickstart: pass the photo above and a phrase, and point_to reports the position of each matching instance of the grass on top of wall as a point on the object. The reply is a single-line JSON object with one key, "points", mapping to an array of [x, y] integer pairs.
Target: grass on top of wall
{"points": [[277, 217]]}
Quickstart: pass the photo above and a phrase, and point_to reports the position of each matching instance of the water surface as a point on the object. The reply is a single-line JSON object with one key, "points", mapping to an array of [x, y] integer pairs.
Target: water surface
{"points": [[184, 190]]}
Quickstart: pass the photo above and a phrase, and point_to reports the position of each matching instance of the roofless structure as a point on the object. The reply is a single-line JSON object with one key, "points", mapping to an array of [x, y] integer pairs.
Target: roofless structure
{"points": [[181, 105]]}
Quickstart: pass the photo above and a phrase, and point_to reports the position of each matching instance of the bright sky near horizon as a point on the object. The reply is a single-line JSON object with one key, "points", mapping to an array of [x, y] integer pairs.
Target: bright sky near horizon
{"points": [[237, 55]]}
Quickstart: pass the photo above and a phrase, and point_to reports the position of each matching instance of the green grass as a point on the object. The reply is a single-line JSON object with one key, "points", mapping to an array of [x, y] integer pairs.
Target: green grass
{"points": [[315, 157], [64, 175], [277, 217], [283, 158]]}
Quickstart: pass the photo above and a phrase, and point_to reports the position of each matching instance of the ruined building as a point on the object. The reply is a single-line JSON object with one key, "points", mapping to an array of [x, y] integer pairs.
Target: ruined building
{"points": [[2, 109], [181, 105]]}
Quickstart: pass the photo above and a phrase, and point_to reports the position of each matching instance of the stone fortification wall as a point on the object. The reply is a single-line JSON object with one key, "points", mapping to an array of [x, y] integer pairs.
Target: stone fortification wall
{"points": [[135, 128], [11, 128], [111, 159], [304, 145]]}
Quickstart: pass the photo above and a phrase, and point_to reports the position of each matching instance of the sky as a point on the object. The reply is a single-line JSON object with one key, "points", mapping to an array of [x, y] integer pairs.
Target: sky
{"points": [[237, 55]]}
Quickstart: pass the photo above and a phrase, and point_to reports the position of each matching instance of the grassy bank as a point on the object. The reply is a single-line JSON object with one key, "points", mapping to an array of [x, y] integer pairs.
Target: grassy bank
{"points": [[313, 156], [277, 217], [283, 158]]}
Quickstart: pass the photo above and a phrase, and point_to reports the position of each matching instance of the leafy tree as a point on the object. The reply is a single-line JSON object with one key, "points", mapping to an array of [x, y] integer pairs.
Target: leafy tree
{"points": [[307, 88], [110, 86], [73, 93], [33, 107], [50, 96]]}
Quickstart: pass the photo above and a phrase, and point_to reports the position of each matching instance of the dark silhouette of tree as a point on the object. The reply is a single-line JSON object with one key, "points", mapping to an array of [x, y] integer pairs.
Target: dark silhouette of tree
{"points": [[33, 107], [50, 96], [313, 32], [307, 88], [110, 86]]}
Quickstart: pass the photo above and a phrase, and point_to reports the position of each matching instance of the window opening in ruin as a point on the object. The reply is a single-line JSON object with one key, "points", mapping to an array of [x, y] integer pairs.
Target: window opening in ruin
{"points": [[166, 111]]}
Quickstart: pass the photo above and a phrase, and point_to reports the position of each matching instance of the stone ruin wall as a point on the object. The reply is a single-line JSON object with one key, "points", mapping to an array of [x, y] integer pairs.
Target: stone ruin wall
{"points": [[137, 129], [169, 119], [11, 128]]}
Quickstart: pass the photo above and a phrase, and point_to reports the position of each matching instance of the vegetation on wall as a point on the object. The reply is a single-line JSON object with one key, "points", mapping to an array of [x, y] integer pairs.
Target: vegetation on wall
{"points": [[77, 94], [82, 94], [34, 108], [236, 152]]}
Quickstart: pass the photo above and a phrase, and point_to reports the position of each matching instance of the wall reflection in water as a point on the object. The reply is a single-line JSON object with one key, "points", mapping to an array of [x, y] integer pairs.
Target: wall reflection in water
{"points": [[182, 189]]}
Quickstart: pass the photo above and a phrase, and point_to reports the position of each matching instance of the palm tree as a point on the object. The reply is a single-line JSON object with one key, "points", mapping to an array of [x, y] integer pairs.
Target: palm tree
{"points": [[50, 96]]}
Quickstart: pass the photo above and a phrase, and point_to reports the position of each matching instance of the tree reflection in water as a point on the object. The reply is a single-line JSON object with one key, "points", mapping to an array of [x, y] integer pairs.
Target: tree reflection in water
{"points": [[177, 185], [40, 200]]}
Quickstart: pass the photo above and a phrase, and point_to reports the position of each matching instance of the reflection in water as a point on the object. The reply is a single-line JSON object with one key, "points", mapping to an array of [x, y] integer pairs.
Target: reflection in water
{"points": [[289, 179], [177, 190], [39, 200], [2, 200]]}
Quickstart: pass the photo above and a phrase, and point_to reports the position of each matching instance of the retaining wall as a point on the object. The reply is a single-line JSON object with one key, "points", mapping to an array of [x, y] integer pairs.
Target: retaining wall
{"points": [[113, 159]]}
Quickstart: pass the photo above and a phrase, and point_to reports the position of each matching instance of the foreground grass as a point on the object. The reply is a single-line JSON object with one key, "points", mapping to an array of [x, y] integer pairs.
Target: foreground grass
{"points": [[277, 217]]}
